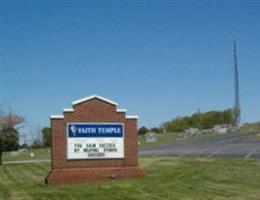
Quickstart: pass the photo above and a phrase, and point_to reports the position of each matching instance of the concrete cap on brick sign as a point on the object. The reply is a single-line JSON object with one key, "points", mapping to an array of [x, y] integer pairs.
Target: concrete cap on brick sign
{"points": [[68, 110], [132, 117], [93, 97], [56, 116], [120, 110]]}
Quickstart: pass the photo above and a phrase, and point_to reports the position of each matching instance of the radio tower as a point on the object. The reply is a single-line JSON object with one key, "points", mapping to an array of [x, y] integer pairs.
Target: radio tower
{"points": [[237, 111]]}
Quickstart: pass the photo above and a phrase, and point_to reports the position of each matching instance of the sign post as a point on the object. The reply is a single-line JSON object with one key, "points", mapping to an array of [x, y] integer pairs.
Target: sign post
{"points": [[93, 141]]}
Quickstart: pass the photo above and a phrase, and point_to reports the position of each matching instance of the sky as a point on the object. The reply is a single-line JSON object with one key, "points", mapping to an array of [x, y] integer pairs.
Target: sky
{"points": [[157, 59]]}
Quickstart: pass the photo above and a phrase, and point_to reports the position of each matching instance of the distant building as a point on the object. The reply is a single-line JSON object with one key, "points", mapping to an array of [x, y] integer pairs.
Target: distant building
{"points": [[224, 128], [151, 137]]}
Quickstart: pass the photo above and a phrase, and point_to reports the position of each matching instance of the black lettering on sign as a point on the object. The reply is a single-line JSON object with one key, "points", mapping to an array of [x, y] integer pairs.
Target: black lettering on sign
{"points": [[76, 150], [96, 154], [105, 145], [90, 145], [87, 150], [110, 149]]}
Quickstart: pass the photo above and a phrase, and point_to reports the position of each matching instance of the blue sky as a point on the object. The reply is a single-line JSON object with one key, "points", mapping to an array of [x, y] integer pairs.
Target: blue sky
{"points": [[157, 59]]}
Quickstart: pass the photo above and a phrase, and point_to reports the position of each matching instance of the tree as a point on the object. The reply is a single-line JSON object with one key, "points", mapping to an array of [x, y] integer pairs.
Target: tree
{"points": [[195, 120], [37, 143], [156, 130], [46, 134], [200, 120], [8, 123], [24, 146], [143, 130], [228, 116], [11, 140], [38, 139]]}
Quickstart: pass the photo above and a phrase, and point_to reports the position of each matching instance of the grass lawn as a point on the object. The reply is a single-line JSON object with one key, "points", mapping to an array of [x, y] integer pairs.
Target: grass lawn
{"points": [[43, 153], [164, 138], [166, 178]]}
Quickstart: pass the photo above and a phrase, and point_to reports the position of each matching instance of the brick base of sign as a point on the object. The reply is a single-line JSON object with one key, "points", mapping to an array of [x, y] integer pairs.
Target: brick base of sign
{"points": [[84, 175], [94, 110]]}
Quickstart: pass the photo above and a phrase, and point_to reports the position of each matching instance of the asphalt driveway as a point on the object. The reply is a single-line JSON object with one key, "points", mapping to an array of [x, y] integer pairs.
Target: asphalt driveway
{"points": [[242, 145]]}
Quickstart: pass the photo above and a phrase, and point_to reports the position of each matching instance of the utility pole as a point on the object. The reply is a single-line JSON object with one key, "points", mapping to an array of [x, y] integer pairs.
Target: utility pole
{"points": [[237, 110]]}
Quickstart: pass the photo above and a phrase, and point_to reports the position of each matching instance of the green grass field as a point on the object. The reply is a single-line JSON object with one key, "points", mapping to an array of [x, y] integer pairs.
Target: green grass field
{"points": [[166, 178], [43, 153]]}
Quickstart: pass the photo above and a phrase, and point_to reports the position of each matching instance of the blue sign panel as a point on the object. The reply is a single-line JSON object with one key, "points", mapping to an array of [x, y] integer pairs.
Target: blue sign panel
{"points": [[79, 130]]}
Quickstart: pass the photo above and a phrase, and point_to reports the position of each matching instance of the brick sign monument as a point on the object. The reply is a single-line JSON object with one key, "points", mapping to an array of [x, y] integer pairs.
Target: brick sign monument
{"points": [[93, 141]]}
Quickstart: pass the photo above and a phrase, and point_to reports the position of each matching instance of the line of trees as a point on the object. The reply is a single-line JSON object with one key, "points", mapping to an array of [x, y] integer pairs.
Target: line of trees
{"points": [[43, 139], [10, 123], [143, 130], [200, 120], [9, 139]]}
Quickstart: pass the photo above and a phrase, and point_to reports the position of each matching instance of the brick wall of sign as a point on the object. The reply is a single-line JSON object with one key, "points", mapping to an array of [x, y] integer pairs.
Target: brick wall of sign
{"points": [[93, 110]]}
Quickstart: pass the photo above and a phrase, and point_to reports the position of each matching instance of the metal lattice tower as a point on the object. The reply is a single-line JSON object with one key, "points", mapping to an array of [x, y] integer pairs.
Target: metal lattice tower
{"points": [[237, 110]]}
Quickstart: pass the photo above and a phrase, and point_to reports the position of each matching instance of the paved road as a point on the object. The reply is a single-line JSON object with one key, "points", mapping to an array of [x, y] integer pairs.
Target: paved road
{"points": [[236, 145]]}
